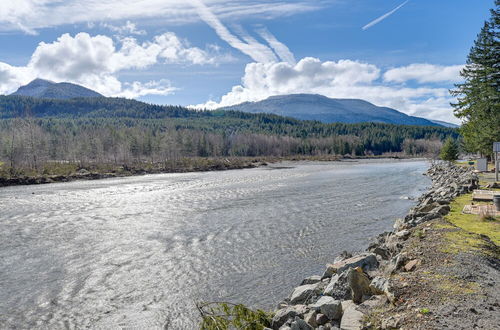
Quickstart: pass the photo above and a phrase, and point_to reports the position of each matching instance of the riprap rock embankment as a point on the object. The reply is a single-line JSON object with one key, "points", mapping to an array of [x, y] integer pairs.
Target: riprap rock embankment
{"points": [[351, 287]]}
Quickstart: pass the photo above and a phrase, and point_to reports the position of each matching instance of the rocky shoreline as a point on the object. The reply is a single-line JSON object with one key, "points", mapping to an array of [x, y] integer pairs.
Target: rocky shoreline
{"points": [[354, 286], [83, 174]]}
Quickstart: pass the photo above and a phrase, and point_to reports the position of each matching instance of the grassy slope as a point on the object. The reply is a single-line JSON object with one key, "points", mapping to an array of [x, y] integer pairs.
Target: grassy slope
{"points": [[452, 287], [472, 223]]}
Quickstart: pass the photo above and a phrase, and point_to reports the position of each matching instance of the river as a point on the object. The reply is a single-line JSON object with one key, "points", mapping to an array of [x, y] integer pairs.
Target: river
{"points": [[138, 252]]}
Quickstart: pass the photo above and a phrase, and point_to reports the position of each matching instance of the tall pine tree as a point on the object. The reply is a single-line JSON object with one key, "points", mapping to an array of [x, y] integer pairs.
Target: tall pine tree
{"points": [[479, 96]]}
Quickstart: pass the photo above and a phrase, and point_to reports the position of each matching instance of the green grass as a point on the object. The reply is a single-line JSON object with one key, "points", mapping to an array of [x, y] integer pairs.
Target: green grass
{"points": [[424, 311], [471, 222]]}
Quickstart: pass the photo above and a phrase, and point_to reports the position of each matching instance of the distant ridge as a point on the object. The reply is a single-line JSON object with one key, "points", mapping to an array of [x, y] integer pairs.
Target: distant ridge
{"points": [[328, 110], [47, 89], [445, 124]]}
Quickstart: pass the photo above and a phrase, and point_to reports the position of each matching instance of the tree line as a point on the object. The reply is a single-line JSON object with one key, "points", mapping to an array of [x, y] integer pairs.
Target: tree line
{"points": [[31, 143]]}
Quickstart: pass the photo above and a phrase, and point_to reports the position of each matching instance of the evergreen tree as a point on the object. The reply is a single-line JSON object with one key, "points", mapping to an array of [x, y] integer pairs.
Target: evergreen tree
{"points": [[449, 151], [479, 96]]}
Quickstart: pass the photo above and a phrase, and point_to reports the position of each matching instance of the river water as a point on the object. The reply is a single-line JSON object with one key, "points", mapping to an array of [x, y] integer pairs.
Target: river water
{"points": [[138, 252]]}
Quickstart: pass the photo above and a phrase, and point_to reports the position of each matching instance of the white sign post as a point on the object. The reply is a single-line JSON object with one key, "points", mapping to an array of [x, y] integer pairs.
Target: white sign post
{"points": [[496, 150]]}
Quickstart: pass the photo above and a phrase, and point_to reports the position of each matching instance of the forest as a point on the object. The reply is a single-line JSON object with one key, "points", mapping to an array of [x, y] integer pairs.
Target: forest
{"points": [[38, 135]]}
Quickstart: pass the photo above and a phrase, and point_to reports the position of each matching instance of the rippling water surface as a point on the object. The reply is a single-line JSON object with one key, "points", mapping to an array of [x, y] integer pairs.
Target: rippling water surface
{"points": [[138, 252]]}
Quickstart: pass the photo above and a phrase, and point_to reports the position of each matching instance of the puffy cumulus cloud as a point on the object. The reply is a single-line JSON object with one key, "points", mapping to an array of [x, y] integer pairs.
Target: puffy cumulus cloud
{"points": [[95, 62], [424, 73], [340, 79]]}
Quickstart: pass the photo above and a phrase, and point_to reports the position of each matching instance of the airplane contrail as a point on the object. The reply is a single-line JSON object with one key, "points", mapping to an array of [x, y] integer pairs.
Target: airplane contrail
{"points": [[279, 48], [257, 51], [381, 18]]}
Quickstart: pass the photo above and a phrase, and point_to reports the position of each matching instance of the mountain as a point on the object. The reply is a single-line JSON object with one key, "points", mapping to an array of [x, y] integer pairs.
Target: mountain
{"points": [[445, 124], [48, 89], [327, 110]]}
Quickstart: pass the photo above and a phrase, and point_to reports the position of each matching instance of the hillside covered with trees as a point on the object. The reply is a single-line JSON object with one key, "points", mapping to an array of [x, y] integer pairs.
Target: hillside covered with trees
{"points": [[37, 133]]}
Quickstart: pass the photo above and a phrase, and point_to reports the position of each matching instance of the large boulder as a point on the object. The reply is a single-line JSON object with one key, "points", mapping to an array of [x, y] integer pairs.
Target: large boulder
{"points": [[367, 261], [381, 286], [338, 288], [354, 314], [352, 318], [359, 284], [303, 293], [328, 306]]}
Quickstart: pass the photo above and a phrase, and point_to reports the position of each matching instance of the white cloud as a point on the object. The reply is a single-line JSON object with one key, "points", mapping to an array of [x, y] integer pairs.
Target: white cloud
{"points": [[424, 73], [136, 89], [128, 28], [95, 62], [29, 15], [341, 79]]}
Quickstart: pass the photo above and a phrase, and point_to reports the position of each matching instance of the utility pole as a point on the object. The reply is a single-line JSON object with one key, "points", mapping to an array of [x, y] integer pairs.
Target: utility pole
{"points": [[496, 150]]}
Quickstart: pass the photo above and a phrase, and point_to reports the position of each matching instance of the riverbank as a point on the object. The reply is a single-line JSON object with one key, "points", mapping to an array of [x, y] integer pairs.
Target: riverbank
{"points": [[66, 172], [431, 272]]}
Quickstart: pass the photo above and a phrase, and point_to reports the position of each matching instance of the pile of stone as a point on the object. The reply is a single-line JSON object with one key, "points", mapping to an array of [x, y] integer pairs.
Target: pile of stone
{"points": [[353, 285]]}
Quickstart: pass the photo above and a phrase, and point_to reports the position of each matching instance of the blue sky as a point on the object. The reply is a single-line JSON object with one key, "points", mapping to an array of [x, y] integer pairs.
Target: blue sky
{"points": [[212, 52]]}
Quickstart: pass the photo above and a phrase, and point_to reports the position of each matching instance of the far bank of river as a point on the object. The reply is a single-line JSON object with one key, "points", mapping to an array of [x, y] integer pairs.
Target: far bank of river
{"points": [[66, 171]]}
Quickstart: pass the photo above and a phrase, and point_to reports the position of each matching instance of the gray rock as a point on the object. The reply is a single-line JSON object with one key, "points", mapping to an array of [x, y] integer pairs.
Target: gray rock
{"points": [[299, 324], [427, 201], [303, 293], [403, 234], [285, 327], [284, 314], [384, 253], [354, 314], [381, 286], [330, 307], [396, 263], [310, 318], [351, 320], [338, 288], [400, 224], [442, 209], [311, 280], [428, 208], [367, 261], [343, 256]]}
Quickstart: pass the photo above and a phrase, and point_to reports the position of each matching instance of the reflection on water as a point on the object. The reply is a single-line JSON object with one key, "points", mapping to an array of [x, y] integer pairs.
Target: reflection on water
{"points": [[138, 252]]}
